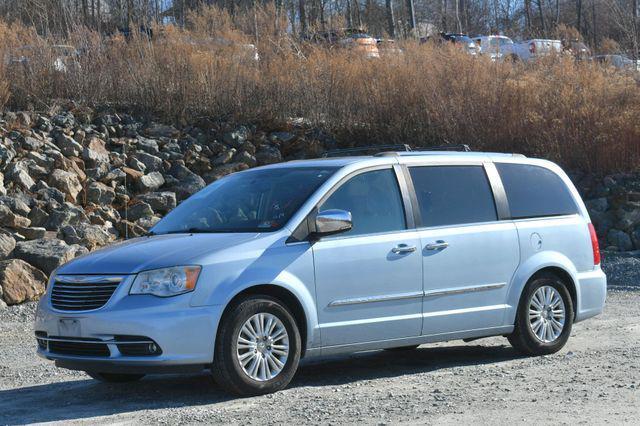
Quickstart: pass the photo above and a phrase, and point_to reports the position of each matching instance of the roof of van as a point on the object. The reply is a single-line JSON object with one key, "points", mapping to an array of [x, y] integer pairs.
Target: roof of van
{"points": [[390, 157]]}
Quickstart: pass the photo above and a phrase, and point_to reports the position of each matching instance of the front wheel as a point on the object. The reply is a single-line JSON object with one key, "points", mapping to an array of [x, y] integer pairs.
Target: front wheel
{"points": [[544, 317], [114, 378], [258, 347]]}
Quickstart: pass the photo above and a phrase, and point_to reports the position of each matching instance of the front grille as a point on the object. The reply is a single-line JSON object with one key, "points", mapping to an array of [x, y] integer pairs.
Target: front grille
{"points": [[82, 293], [78, 346]]}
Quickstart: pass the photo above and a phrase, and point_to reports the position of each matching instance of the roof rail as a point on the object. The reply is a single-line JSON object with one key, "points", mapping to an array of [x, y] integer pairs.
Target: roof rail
{"points": [[459, 147], [366, 150]]}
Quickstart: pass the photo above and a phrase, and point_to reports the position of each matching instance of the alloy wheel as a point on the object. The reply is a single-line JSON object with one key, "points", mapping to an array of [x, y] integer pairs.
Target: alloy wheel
{"points": [[263, 347], [547, 314]]}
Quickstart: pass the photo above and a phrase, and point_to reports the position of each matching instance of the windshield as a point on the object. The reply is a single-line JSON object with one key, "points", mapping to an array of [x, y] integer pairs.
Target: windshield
{"points": [[251, 201]]}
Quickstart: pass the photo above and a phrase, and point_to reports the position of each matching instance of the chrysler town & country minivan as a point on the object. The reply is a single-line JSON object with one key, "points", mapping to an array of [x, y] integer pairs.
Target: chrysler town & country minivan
{"points": [[316, 257]]}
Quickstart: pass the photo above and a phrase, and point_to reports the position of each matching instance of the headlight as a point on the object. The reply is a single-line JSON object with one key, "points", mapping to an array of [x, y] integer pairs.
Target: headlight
{"points": [[167, 281]]}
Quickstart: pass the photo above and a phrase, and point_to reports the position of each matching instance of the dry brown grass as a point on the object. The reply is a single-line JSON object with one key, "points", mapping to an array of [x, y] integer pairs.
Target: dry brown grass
{"points": [[581, 115]]}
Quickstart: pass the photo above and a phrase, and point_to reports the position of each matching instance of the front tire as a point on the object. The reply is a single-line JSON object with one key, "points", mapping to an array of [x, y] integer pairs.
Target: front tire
{"points": [[258, 347], [544, 318], [114, 378]]}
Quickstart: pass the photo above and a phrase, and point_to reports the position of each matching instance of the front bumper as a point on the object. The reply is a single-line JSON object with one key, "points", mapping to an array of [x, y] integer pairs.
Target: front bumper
{"points": [[184, 334]]}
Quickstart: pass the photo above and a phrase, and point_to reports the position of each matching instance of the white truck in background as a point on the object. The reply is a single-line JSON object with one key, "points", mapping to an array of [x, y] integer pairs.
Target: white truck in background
{"points": [[530, 50]]}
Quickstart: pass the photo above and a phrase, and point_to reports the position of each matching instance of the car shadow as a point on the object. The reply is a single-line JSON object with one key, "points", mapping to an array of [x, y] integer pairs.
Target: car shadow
{"points": [[83, 399]]}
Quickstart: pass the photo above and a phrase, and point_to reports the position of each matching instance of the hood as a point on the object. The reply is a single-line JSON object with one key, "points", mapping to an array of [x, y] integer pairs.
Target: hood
{"points": [[159, 251]]}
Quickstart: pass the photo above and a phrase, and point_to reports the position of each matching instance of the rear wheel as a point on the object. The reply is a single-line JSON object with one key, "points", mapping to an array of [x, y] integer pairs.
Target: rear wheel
{"points": [[258, 347], [544, 317], [114, 378]]}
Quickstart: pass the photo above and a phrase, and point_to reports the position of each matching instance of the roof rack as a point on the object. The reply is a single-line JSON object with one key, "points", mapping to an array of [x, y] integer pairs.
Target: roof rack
{"points": [[460, 147], [385, 150], [366, 150]]}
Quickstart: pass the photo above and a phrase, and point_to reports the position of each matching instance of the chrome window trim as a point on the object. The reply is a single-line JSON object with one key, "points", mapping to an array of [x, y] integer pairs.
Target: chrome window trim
{"points": [[479, 163], [348, 177]]}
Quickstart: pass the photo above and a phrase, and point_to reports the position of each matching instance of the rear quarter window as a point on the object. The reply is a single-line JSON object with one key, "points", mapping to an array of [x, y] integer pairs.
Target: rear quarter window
{"points": [[534, 191]]}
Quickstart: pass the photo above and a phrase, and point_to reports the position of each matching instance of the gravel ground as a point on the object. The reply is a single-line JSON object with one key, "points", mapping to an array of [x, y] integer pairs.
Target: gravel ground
{"points": [[595, 379]]}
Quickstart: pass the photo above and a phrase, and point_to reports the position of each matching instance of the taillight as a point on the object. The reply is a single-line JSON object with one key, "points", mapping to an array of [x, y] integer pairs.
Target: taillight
{"points": [[532, 48], [594, 244]]}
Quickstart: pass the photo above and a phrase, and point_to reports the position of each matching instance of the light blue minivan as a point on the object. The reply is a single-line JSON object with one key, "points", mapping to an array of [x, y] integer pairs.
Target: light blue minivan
{"points": [[335, 255]]}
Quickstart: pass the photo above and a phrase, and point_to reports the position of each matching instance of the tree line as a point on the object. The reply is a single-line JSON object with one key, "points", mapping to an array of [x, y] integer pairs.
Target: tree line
{"points": [[600, 23]]}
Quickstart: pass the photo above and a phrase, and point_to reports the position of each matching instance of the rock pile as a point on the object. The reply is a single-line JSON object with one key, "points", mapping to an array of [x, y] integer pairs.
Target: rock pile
{"points": [[75, 181], [614, 206]]}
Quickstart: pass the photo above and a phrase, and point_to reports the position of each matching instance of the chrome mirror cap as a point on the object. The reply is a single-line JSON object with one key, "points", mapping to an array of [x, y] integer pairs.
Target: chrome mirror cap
{"points": [[333, 221]]}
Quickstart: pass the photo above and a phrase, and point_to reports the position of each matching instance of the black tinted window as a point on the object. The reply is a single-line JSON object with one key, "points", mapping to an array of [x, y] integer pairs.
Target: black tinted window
{"points": [[452, 195], [534, 191], [373, 198]]}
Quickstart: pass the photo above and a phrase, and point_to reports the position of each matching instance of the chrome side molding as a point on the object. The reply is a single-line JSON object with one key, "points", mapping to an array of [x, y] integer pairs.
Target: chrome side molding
{"points": [[374, 299], [461, 290], [416, 294]]}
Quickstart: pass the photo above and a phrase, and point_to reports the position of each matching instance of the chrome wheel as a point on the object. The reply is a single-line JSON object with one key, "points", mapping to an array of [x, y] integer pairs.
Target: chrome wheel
{"points": [[547, 314], [263, 347]]}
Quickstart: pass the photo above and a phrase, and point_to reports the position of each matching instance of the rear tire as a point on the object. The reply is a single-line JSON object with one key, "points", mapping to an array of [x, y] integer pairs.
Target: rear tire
{"points": [[114, 377], [544, 317], [251, 360]]}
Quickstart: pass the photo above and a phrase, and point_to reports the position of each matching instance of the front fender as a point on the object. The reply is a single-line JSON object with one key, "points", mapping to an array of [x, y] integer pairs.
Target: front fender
{"points": [[535, 263], [289, 267]]}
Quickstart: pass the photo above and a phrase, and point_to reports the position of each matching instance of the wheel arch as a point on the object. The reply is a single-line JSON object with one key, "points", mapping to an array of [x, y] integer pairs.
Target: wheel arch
{"points": [[541, 263], [290, 299]]}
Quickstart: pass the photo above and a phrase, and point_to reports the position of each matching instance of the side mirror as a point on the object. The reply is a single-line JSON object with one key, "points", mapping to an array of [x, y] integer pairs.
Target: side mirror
{"points": [[329, 222]]}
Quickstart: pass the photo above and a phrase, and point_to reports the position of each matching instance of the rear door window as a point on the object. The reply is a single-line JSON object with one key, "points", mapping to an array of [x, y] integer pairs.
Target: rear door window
{"points": [[453, 195], [534, 191]]}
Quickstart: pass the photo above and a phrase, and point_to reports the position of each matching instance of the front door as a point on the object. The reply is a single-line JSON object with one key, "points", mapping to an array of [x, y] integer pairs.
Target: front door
{"points": [[469, 256], [369, 279]]}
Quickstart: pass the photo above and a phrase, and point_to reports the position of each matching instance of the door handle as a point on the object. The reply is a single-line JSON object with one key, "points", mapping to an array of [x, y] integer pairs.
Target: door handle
{"points": [[437, 245], [403, 248]]}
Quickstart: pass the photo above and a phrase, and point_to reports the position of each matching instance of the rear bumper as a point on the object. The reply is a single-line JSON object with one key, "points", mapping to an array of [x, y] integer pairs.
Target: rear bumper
{"points": [[592, 293], [184, 334]]}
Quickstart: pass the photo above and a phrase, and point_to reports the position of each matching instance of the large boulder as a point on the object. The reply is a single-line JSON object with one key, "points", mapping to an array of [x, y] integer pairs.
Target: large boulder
{"points": [[16, 204], [66, 182], [268, 154], [139, 210], [12, 220], [46, 254], [188, 183], [7, 152], [101, 194], [7, 244], [68, 146], [18, 173], [151, 182], [20, 281], [66, 214], [90, 236], [619, 239], [151, 162], [95, 152], [161, 202]]}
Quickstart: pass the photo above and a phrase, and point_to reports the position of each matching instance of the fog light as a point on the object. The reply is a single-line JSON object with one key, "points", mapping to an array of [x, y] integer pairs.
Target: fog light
{"points": [[152, 348]]}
